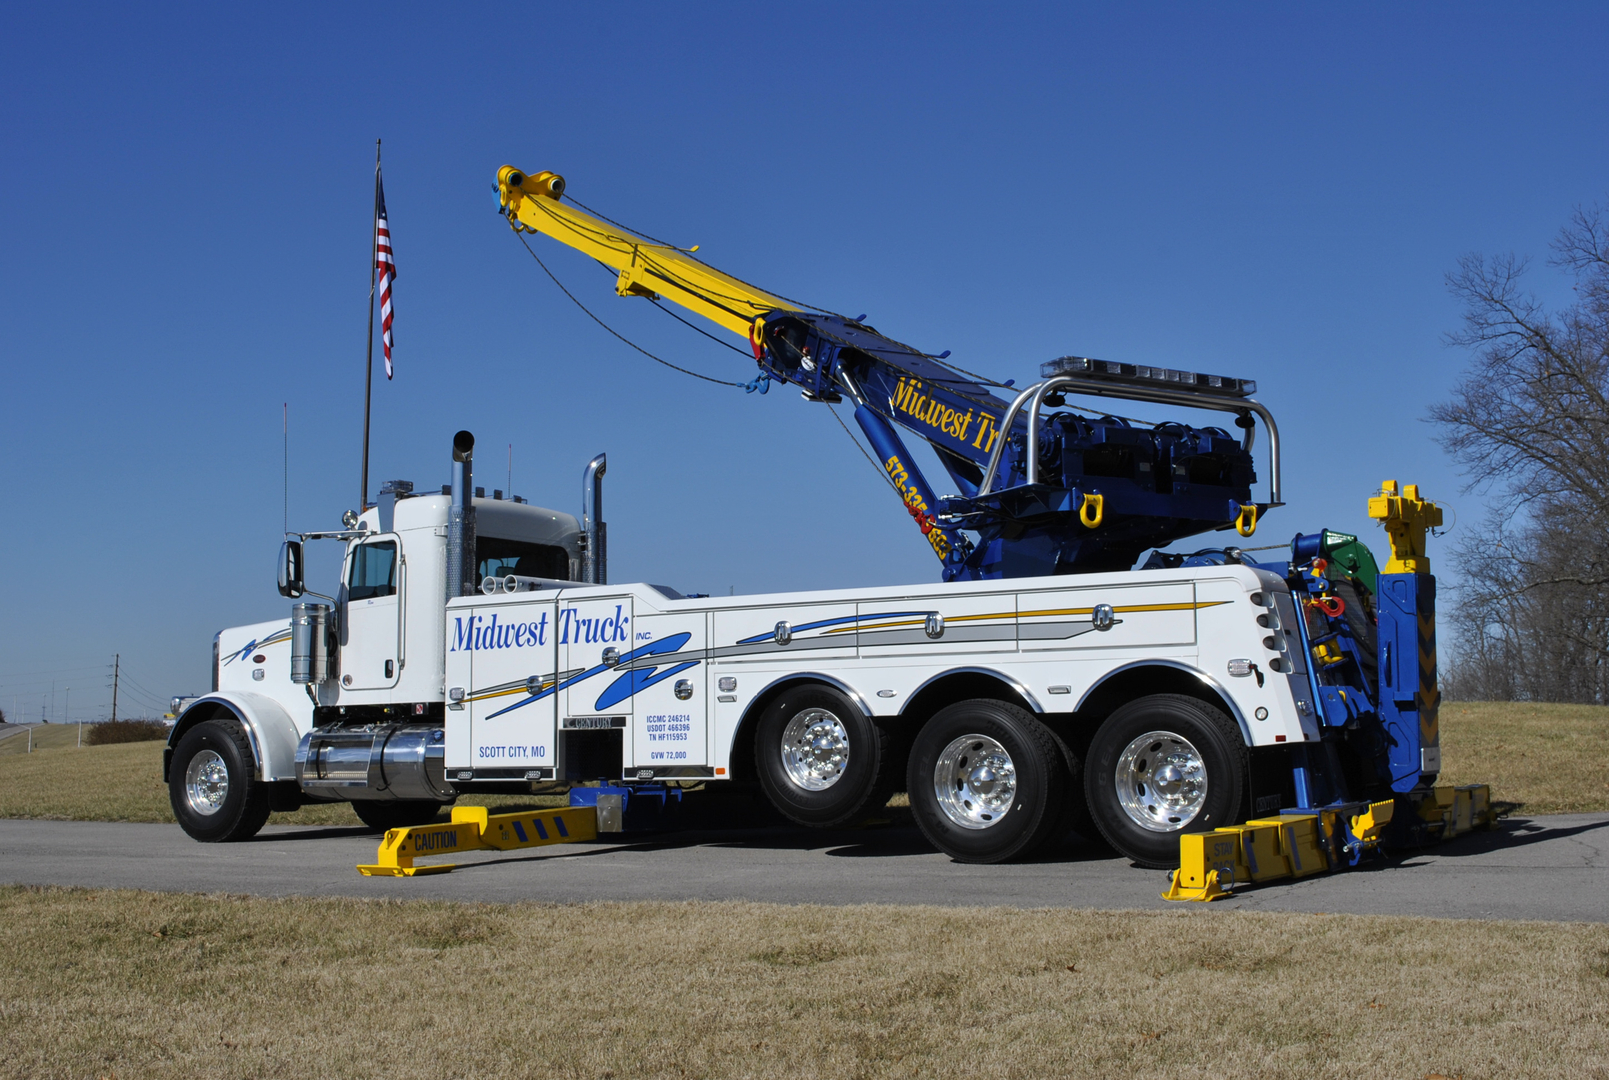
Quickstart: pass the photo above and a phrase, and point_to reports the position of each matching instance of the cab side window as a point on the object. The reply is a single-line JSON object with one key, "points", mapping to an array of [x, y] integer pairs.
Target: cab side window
{"points": [[374, 571]]}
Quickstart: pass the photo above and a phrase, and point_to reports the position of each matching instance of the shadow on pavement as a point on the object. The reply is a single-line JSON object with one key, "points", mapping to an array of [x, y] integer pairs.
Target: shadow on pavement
{"points": [[1510, 833]]}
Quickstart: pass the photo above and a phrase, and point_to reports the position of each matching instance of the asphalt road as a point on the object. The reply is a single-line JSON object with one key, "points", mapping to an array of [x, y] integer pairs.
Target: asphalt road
{"points": [[1553, 868]]}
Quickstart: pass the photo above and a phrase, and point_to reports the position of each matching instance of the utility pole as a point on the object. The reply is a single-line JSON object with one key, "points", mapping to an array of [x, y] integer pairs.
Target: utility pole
{"points": [[117, 664]]}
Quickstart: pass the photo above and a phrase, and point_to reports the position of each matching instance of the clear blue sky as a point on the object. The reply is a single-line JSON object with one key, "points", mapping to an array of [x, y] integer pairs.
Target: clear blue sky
{"points": [[1267, 191]]}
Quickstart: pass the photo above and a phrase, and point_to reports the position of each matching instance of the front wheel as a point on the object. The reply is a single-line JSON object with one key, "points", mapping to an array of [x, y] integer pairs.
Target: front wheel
{"points": [[211, 787], [1159, 766], [385, 814], [821, 760], [988, 782]]}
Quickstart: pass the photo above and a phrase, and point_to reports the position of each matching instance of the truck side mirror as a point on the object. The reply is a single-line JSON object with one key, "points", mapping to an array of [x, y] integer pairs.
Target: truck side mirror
{"points": [[290, 569]]}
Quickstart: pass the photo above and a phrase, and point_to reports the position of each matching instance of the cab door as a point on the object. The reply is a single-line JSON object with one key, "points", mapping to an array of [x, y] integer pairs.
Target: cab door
{"points": [[371, 629]]}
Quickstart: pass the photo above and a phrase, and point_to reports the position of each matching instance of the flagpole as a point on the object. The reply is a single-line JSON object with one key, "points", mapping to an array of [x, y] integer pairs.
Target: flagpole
{"points": [[368, 364]]}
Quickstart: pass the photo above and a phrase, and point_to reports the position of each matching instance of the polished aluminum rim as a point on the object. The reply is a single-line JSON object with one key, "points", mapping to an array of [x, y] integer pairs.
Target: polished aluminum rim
{"points": [[1161, 781], [206, 782], [975, 782], [815, 749]]}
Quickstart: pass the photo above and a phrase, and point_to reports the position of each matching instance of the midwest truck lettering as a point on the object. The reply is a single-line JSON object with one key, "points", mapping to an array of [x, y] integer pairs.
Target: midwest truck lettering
{"points": [[910, 400], [475, 632]]}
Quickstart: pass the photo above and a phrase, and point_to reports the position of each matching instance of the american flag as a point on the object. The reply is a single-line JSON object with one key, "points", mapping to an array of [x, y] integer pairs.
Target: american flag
{"points": [[386, 267]]}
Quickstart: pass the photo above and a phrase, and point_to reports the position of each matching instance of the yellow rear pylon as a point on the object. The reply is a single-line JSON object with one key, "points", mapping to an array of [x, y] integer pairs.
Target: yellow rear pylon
{"points": [[474, 828]]}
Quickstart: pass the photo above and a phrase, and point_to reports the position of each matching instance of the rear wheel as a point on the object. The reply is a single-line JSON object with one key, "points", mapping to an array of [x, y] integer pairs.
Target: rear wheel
{"points": [[1160, 766], [988, 782], [210, 784], [821, 760], [383, 814]]}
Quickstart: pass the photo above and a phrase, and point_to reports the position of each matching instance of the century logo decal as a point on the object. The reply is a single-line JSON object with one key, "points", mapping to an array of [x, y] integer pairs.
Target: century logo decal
{"points": [[911, 398], [472, 633]]}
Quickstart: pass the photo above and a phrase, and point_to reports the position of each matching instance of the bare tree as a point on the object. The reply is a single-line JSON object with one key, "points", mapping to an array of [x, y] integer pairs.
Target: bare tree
{"points": [[1530, 423]]}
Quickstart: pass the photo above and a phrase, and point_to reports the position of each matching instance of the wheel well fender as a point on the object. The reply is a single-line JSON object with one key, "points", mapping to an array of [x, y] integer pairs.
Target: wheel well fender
{"points": [[963, 684], [269, 728], [740, 762], [1149, 677]]}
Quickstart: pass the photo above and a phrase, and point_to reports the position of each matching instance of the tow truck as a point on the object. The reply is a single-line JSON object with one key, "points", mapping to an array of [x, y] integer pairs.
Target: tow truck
{"points": [[1253, 713]]}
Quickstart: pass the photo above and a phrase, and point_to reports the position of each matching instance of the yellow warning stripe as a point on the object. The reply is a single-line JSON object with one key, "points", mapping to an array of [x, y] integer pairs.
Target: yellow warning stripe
{"points": [[488, 695]]}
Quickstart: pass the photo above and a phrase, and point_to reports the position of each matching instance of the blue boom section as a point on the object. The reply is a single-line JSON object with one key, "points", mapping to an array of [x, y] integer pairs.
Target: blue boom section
{"points": [[1155, 484]]}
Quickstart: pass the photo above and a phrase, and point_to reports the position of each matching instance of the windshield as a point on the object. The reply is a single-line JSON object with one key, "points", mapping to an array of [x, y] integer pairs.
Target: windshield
{"points": [[499, 558]]}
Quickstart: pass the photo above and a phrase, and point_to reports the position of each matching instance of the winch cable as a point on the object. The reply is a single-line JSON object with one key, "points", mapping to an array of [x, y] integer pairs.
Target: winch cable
{"points": [[612, 330], [725, 344]]}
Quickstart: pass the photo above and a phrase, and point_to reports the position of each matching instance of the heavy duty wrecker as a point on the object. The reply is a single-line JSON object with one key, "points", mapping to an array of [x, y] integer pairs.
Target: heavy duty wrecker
{"points": [[1241, 720]]}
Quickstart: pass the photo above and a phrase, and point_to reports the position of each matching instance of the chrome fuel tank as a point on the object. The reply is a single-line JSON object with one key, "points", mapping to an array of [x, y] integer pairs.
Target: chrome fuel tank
{"points": [[378, 761]]}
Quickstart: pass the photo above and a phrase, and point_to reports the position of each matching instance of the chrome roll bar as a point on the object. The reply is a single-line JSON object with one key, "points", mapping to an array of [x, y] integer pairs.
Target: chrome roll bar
{"points": [[1035, 396]]}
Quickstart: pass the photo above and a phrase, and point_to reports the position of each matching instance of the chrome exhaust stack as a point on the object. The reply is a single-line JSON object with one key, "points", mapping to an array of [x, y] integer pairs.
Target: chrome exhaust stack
{"points": [[595, 564], [461, 520]]}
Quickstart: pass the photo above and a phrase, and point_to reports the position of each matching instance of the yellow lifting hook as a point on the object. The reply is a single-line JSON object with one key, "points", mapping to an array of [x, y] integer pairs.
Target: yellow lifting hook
{"points": [[1098, 504], [1246, 520]]}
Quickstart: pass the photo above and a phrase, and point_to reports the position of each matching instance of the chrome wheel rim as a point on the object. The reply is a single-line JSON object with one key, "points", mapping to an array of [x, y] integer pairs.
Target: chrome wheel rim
{"points": [[815, 749], [206, 783], [1161, 781], [975, 782]]}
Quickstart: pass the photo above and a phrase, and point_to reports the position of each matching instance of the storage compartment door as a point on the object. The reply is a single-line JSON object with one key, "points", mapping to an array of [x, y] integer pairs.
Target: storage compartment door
{"points": [[669, 681], [593, 636], [1078, 618], [939, 625], [512, 700]]}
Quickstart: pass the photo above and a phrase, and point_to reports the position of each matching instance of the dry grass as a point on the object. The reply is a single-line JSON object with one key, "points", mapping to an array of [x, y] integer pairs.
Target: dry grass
{"points": [[1546, 758], [1542, 757], [127, 984]]}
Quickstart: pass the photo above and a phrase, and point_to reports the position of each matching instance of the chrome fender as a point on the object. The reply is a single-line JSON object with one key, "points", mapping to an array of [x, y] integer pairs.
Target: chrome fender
{"points": [[269, 728]]}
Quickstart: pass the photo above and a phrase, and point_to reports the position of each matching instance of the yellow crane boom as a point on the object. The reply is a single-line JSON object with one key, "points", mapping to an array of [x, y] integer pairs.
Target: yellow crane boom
{"points": [[646, 267]]}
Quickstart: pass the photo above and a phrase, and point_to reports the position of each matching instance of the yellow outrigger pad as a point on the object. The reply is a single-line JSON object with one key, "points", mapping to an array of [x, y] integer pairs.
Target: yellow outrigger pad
{"points": [[474, 828], [1212, 864]]}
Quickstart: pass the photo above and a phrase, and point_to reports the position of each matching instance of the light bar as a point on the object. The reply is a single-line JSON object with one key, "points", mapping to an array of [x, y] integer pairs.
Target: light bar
{"points": [[1139, 373]]}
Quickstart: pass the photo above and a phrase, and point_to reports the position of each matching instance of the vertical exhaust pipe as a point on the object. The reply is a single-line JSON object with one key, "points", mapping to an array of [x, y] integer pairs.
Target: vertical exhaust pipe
{"points": [[595, 568], [461, 520]]}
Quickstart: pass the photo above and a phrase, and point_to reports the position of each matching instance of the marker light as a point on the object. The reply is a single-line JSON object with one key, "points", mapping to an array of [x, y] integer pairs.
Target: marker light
{"points": [[1140, 373]]}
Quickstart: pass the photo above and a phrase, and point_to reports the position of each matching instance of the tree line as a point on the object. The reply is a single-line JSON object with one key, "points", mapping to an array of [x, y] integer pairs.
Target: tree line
{"points": [[1529, 425]]}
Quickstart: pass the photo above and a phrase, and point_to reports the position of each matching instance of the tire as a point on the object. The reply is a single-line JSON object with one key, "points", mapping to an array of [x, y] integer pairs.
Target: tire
{"points": [[973, 818], [843, 776], [1197, 743], [210, 784], [384, 814]]}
